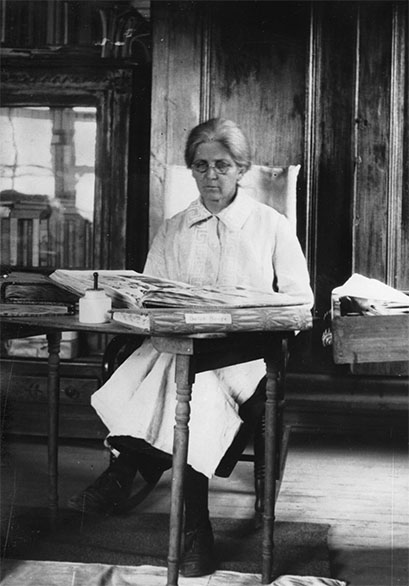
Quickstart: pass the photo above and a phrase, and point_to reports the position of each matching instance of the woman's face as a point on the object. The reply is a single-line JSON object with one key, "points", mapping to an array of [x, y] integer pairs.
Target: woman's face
{"points": [[217, 186]]}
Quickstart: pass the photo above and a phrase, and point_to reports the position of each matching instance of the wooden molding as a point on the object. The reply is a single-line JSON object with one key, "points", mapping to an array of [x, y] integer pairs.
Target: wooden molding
{"points": [[205, 68], [34, 80], [396, 138], [311, 140]]}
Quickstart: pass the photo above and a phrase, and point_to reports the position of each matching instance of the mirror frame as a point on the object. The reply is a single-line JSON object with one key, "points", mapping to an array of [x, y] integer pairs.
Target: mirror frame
{"points": [[43, 83]]}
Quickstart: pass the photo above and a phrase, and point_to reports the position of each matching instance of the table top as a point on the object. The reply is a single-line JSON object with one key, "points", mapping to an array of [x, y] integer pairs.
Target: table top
{"points": [[63, 323], [222, 349], [173, 322]]}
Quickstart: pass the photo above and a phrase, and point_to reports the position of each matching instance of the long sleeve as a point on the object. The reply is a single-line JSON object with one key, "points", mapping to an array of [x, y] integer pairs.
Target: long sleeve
{"points": [[289, 264], [156, 260]]}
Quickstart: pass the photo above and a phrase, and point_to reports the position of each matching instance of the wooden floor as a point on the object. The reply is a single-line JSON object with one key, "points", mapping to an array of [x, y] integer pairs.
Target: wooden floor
{"points": [[359, 487]]}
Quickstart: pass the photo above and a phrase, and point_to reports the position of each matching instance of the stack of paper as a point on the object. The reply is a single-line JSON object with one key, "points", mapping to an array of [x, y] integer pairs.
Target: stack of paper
{"points": [[371, 297]]}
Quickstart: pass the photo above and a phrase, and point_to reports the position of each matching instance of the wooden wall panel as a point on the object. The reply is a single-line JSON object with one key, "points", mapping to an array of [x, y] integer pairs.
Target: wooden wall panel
{"points": [[333, 95], [258, 75], [318, 83], [399, 165], [245, 64], [380, 244], [373, 148], [404, 258], [175, 92]]}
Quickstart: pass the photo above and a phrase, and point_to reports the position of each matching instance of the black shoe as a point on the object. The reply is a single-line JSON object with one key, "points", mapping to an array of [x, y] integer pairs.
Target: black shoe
{"points": [[151, 469], [103, 496], [197, 559]]}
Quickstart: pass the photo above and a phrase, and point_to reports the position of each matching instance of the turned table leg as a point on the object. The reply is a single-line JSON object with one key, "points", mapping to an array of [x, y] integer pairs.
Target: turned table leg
{"points": [[184, 381], [53, 340], [271, 444]]}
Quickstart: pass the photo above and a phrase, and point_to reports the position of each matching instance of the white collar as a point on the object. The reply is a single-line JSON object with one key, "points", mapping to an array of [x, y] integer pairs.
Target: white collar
{"points": [[233, 216]]}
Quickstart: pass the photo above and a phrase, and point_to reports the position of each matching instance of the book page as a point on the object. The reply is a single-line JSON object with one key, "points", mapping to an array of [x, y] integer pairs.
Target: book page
{"points": [[129, 289]]}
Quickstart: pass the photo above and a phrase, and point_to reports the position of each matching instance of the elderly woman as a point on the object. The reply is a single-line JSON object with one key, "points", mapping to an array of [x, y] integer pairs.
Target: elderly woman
{"points": [[224, 238]]}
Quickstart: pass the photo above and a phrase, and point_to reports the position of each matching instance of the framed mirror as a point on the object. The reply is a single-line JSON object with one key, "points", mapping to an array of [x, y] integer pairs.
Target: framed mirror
{"points": [[47, 186], [64, 166]]}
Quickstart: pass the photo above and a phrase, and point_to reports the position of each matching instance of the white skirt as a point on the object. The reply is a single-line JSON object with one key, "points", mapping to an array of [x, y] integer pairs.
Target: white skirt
{"points": [[139, 400]]}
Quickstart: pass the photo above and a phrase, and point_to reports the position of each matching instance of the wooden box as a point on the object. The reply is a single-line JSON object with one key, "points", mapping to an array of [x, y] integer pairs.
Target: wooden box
{"points": [[370, 339]]}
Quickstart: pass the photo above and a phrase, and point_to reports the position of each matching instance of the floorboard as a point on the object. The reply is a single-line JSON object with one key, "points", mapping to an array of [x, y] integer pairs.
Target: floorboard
{"points": [[360, 487]]}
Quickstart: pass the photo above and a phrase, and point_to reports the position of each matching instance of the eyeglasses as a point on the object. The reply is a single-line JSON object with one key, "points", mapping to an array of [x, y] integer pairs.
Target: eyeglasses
{"points": [[221, 167]]}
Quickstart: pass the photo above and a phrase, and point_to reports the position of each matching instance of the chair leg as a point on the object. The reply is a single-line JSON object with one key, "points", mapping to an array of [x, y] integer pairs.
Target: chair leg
{"points": [[259, 467], [259, 459], [282, 438]]}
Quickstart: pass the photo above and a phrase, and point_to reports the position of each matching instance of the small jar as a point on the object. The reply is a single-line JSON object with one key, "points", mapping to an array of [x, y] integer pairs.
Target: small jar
{"points": [[94, 307]]}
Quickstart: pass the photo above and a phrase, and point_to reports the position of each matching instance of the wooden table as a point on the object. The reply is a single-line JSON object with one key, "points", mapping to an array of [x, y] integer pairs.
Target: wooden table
{"points": [[194, 354]]}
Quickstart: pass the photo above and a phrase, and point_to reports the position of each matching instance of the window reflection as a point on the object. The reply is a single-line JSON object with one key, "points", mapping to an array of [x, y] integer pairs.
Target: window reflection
{"points": [[47, 179]]}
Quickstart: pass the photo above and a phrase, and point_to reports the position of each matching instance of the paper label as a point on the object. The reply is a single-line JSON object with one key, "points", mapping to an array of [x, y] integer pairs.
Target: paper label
{"points": [[208, 318]]}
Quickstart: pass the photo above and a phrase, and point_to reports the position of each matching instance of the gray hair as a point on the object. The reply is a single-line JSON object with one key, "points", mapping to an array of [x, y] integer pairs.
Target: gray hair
{"points": [[224, 131]]}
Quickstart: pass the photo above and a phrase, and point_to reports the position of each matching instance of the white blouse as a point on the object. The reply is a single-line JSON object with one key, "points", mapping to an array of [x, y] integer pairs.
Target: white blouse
{"points": [[246, 244]]}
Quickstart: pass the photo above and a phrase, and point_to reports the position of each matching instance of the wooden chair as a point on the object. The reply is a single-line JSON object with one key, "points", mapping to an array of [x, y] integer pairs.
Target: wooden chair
{"points": [[274, 186]]}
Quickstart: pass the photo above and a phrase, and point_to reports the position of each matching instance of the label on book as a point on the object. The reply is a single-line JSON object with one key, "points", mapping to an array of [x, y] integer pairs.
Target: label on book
{"points": [[208, 318]]}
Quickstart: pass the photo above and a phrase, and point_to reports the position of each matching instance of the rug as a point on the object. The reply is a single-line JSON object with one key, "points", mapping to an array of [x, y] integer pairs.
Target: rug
{"points": [[32, 573], [142, 539]]}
